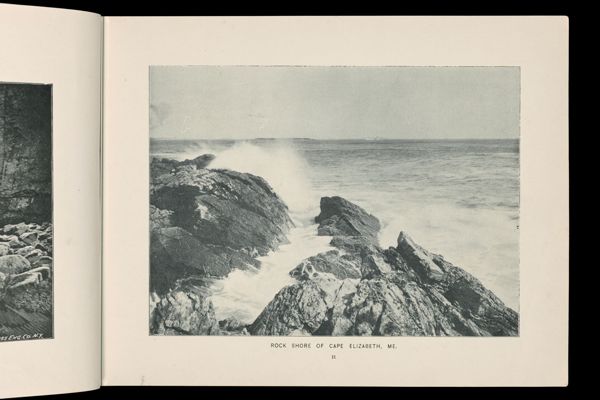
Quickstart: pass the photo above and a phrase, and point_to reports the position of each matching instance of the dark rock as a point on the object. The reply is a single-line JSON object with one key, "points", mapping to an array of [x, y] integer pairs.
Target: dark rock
{"points": [[233, 327], [360, 289], [23, 251], [35, 299], [17, 229], [203, 224], [9, 229], [199, 162], [26, 156], [354, 245], [375, 265], [418, 258], [223, 207], [4, 249], [339, 217], [29, 238], [475, 302], [13, 264], [43, 260], [45, 235], [34, 256], [160, 166], [334, 262], [299, 308], [45, 247], [15, 243], [208, 222], [177, 254], [231, 324], [182, 312], [159, 218]]}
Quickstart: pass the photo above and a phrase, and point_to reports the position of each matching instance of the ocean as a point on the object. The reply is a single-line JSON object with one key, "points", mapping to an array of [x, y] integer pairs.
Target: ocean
{"points": [[457, 198]]}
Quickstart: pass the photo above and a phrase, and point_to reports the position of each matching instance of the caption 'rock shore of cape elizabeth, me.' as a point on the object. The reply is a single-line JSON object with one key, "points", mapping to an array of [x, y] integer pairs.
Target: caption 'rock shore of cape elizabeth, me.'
{"points": [[205, 223]]}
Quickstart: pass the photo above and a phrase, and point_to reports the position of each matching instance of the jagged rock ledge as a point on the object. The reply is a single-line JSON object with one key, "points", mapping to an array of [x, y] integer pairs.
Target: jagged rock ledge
{"points": [[361, 289], [203, 224]]}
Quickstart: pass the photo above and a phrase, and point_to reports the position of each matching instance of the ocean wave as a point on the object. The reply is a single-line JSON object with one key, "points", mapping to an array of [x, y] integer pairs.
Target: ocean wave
{"points": [[245, 293], [462, 207], [281, 166]]}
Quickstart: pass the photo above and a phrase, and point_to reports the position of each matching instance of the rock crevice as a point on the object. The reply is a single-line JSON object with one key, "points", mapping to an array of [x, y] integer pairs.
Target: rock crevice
{"points": [[204, 223], [403, 290]]}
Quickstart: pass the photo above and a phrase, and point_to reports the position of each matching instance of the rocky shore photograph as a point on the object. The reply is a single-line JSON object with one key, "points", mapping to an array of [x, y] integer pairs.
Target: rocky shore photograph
{"points": [[26, 251], [333, 201]]}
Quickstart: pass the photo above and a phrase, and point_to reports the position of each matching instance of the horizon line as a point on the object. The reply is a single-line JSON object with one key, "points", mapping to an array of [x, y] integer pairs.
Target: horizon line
{"points": [[330, 138]]}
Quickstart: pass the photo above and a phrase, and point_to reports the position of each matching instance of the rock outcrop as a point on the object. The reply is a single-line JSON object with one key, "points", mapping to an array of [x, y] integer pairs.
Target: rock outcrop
{"points": [[361, 289], [26, 279], [160, 166], [25, 153], [203, 224], [339, 217], [183, 312], [206, 222]]}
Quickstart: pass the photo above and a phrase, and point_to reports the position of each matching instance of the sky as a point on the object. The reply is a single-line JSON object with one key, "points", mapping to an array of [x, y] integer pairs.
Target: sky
{"points": [[229, 102]]}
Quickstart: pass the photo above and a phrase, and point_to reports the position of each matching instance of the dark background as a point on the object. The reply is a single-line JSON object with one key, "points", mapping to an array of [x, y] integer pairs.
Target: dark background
{"points": [[582, 158], [308, 7]]}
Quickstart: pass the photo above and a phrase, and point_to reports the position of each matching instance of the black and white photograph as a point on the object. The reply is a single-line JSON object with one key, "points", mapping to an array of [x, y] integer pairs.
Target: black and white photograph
{"points": [[26, 286], [332, 201]]}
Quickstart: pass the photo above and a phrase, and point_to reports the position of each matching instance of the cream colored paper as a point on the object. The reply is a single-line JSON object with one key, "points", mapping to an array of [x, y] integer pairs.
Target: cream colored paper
{"points": [[63, 48], [539, 45]]}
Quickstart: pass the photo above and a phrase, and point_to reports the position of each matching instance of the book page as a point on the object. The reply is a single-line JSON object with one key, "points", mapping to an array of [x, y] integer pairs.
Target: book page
{"points": [[50, 202], [336, 201]]}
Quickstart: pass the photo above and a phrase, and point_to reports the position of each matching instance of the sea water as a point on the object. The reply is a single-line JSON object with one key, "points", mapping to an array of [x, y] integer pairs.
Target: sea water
{"points": [[457, 198]]}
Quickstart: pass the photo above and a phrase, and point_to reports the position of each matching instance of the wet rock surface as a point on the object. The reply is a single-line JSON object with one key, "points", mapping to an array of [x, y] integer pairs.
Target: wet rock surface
{"points": [[339, 217], [361, 289], [204, 223]]}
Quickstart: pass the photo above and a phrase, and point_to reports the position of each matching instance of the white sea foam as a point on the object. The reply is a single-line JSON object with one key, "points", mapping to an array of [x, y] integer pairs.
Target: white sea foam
{"points": [[280, 166], [483, 243], [245, 293], [442, 195]]}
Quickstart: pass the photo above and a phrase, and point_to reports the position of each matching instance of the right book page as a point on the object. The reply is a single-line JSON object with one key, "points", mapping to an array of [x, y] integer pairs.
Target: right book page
{"points": [[332, 194]]}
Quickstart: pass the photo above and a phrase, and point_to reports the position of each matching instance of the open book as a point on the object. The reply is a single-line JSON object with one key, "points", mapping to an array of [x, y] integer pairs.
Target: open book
{"points": [[282, 201]]}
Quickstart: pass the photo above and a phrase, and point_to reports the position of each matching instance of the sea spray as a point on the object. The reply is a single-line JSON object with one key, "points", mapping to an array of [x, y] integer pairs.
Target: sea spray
{"points": [[459, 199], [281, 166], [245, 293], [276, 161], [482, 243]]}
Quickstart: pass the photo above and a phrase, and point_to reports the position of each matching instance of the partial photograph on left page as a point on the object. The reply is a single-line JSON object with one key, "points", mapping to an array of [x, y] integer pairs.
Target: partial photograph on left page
{"points": [[26, 294], [50, 202]]}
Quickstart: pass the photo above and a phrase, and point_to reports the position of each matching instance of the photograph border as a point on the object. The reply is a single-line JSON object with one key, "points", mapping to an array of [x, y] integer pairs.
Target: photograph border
{"points": [[53, 273], [375, 337]]}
